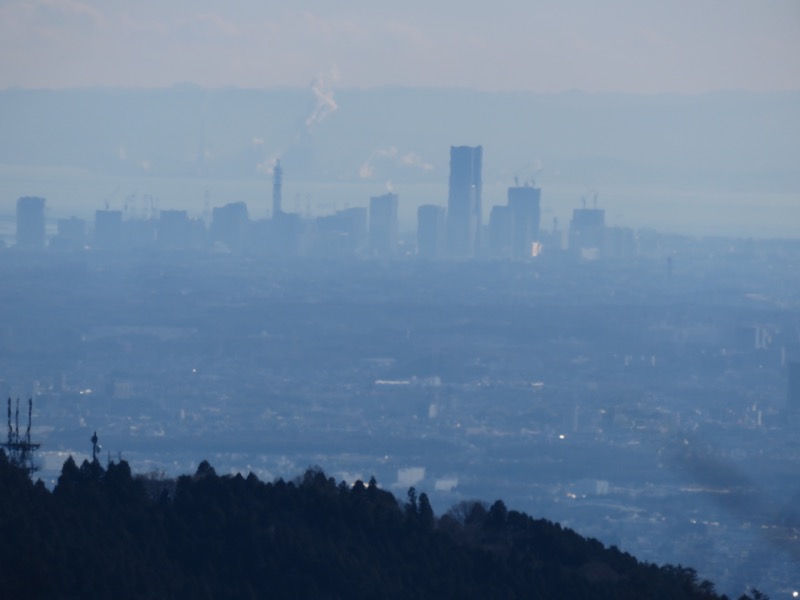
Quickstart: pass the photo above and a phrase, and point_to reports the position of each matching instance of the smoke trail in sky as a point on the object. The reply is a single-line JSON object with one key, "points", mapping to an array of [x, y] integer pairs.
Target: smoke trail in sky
{"points": [[323, 93], [409, 159]]}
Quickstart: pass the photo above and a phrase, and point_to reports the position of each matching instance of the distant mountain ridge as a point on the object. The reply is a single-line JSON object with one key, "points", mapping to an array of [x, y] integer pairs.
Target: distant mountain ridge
{"points": [[105, 533], [720, 140]]}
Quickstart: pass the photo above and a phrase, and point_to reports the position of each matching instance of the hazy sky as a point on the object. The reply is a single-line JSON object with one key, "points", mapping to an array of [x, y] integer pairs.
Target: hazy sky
{"points": [[616, 45]]}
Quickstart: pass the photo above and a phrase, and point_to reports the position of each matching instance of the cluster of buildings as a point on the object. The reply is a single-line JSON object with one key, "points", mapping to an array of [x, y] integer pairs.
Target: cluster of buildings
{"points": [[454, 231], [572, 396]]}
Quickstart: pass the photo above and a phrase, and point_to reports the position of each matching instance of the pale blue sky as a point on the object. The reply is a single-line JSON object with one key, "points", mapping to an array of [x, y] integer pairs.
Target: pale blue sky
{"points": [[616, 45]]}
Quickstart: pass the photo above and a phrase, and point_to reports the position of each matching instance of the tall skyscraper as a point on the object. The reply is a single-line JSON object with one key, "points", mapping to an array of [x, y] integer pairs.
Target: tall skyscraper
{"points": [[383, 225], [30, 223], [524, 202], [464, 201], [587, 231], [430, 231]]}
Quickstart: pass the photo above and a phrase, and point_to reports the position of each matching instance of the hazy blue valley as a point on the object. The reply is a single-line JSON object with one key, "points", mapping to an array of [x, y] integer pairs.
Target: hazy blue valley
{"points": [[632, 372]]}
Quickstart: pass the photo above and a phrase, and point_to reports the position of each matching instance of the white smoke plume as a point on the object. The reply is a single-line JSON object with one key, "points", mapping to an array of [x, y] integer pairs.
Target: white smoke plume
{"points": [[409, 159], [323, 93], [367, 170], [267, 166], [412, 159]]}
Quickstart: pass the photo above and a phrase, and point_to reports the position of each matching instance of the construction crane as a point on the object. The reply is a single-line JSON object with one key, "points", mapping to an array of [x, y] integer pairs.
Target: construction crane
{"points": [[535, 166]]}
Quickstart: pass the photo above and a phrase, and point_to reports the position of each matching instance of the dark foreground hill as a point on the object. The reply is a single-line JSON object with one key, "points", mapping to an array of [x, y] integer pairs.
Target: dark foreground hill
{"points": [[105, 533]]}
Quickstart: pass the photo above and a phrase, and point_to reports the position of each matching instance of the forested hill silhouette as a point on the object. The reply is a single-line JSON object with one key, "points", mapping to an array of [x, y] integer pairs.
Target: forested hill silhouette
{"points": [[103, 533]]}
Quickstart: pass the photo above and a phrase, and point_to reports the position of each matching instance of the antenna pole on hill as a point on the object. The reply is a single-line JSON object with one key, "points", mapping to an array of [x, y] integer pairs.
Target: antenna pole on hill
{"points": [[95, 447], [20, 449]]}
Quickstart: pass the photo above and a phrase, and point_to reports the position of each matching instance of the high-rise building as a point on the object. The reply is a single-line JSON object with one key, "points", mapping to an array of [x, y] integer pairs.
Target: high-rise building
{"points": [[383, 225], [341, 234], [430, 231], [30, 223], [524, 202], [229, 225], [464, 201], [587, 232]]}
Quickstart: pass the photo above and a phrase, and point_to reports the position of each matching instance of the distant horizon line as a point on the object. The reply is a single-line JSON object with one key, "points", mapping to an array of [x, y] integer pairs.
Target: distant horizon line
{"points": [[402, 87]]}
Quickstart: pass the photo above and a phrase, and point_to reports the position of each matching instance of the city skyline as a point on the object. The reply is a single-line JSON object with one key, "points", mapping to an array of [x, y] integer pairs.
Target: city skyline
{"points": [[725, 164], [546, 252]]}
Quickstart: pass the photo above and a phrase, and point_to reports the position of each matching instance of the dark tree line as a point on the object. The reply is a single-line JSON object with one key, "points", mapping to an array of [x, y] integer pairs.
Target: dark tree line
{"points": [[103, 532]]}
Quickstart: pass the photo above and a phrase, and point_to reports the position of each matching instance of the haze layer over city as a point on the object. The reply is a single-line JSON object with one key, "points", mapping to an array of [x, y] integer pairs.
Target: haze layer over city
{"points": [[549, 254]]}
